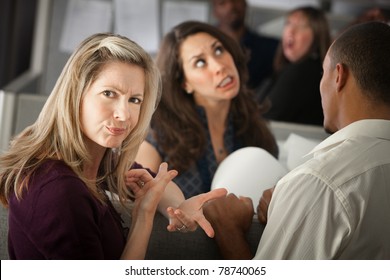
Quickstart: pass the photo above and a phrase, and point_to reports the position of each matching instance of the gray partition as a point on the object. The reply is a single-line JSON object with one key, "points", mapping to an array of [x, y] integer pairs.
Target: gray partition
{"points": [[56, 59]]}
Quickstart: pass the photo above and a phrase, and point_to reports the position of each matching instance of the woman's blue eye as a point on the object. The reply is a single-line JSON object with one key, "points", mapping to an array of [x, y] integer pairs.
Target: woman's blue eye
{"points": [[200, 63], [219, 50], [108, 93], [135, 100]]}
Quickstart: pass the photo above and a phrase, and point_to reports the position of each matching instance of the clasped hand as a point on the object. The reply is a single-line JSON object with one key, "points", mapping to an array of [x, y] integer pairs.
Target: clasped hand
{"points": [[146, 189], [190, 212], [148, 192]]}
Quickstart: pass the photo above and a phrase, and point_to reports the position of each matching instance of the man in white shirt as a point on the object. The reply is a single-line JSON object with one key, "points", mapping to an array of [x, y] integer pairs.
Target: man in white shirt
{"points": [[337, 204]]}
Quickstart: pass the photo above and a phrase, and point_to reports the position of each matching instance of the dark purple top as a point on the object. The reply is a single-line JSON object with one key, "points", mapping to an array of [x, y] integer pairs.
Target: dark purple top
{"points": [[58, 218]]}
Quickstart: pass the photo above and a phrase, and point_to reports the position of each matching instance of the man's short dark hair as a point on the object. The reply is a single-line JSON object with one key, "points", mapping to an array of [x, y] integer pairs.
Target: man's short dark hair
{"points": [[365, 50]]}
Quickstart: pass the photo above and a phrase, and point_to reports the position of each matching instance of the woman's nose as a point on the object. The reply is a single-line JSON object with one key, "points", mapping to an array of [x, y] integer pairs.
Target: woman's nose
{"points": [[122, 111], [217, 65]]}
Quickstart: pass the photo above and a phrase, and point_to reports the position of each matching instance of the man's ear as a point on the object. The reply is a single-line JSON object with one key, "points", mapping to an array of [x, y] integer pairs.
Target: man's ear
{"points": [[342, 76]]}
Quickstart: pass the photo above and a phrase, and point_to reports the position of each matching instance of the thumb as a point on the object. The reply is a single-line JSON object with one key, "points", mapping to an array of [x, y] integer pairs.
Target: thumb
{"points": [[247, 201], [206, 226], [165, 175], [216, 193]]}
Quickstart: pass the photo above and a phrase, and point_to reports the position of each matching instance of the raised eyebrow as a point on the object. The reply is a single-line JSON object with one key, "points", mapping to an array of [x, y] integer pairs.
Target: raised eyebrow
{"points": [[120, 91], [216, 42], [113, 89], [139, 95], [194, 57], [213, 45]]}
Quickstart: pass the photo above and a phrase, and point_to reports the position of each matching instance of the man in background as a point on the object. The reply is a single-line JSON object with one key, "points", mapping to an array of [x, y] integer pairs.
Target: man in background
{"points": [[230, 16]]}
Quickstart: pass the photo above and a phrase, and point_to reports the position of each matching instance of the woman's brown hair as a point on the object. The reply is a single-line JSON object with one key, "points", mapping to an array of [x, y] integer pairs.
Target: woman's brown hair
{"points": [[176, 123]]}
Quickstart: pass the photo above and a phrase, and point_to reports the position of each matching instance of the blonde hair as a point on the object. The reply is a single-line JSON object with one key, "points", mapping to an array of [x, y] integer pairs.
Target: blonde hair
{"points": [[57, 134]]}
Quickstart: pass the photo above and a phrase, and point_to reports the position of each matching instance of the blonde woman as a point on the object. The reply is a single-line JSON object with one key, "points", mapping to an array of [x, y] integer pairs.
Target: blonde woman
{"points": [[55, 176]]}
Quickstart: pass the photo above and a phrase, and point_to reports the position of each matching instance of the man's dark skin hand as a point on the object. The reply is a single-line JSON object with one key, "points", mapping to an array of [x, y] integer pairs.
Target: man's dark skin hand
{"points": [[262, 208], [231, 218]]}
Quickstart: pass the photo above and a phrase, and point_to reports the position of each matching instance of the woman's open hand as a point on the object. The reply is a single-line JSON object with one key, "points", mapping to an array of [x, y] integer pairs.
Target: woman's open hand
{"points": [[189, 214]]}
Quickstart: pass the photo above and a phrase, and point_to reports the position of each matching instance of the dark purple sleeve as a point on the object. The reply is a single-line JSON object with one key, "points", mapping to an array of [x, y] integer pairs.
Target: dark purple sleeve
{"points": [[136, 165], [62, 220]]}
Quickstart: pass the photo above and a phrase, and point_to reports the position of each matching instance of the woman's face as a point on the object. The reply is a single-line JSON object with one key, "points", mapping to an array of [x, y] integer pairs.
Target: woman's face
{"points": [[111, 105], [297, 36], [209, 69]]}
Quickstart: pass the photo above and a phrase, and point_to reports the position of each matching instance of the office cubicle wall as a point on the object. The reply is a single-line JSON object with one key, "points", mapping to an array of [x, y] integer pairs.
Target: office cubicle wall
{"points": [[17, 111], [56, 56], [12, 116], [7, 104]]}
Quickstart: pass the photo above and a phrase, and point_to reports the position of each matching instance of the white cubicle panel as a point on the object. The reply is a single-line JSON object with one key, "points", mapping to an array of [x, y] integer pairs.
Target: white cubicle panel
{"points": [[17, 111], [284, 4], [7, 108], [28, 108], [134, 14]]}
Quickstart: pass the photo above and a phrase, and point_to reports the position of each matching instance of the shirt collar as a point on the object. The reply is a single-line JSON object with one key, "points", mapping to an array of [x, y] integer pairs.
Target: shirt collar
{"points": [[370, 128]]}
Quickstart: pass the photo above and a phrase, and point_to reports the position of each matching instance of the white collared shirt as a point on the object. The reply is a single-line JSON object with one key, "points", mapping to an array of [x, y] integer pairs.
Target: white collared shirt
{"points": [[337, 204]]}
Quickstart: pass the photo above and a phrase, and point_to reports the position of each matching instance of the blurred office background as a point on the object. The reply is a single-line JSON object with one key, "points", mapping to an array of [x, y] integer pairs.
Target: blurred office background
{"points": [[37, 37]]}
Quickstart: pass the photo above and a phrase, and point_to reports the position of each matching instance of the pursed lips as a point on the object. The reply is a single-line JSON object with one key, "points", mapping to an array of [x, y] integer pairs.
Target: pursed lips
{"points": [[116, 130]]}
